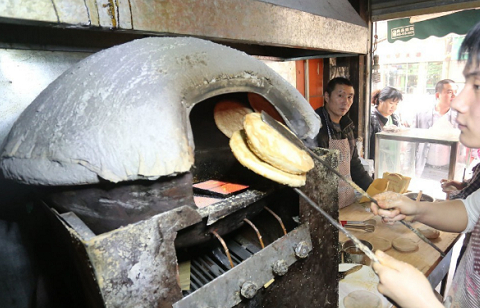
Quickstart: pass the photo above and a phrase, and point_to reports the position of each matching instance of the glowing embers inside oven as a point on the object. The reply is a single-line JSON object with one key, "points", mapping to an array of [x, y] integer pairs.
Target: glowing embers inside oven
{"points": [[219, 188], [213, 189], [202, 202]]}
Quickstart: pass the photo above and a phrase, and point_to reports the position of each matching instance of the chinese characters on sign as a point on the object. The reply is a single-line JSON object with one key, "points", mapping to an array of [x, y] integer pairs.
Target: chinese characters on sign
{"points": [[404, 31]]}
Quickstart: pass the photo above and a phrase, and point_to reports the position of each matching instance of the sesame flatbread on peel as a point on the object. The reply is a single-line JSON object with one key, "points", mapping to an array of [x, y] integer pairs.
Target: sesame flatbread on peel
{"points": [[239, 147], [273, 148], [229, 116]]}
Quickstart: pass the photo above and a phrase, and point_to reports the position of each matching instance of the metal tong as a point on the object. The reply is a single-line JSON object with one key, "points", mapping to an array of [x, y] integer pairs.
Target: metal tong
{"points": [[370, 222], [366, 228], [294, 139], [365, 225]]}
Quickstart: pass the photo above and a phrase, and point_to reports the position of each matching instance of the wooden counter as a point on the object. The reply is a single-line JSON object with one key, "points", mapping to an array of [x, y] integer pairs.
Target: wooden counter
{"points": [[426, 258]]}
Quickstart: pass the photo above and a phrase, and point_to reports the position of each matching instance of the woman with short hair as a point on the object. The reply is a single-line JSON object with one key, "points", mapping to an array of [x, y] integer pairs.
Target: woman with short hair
{"points": [[385, 102]]}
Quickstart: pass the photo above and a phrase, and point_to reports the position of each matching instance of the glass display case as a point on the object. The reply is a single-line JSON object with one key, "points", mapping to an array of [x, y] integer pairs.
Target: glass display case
{"points": [[425, 155]]}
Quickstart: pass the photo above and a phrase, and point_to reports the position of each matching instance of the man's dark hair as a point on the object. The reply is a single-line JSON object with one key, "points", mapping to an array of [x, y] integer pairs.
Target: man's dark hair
{"points": [[337, 80], [471, 46], [441, 83], [386, 93]]}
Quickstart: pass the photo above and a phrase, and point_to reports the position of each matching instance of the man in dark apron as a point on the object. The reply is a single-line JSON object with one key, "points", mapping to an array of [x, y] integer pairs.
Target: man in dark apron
{"points": [[337, 133]]}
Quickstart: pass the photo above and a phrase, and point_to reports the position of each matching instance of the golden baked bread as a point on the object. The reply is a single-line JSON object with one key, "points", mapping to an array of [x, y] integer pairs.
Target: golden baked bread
{"points": [[239, 147], [229, 115], [270, 146], [378, 186], [397, 182]]}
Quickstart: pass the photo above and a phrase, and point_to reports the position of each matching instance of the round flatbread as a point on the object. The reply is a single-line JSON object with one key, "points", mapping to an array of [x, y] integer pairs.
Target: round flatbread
{"points": [[404, 244], [380, 243], [273, 148], [362, 299], [229, 116], [429, 233], [239, 147], [259, 104]]}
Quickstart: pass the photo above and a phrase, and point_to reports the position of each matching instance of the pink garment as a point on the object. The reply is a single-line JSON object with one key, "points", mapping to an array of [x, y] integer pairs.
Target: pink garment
{"points": [[465, 289]]}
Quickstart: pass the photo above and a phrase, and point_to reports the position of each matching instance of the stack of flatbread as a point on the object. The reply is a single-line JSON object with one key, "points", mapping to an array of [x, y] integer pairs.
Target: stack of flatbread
{"points": [[265, 151], [229, 115], [397, 182], [390, 182]]}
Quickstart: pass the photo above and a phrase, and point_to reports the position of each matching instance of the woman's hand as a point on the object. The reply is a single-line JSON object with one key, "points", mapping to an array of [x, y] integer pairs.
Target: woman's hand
{"points": [[393, 206], [403, 283], [449, 186]]}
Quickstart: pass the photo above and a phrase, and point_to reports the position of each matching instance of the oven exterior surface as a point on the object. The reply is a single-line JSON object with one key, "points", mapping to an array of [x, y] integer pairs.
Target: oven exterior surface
{"points": [[137, 265], [99, 123], [109, 116]]}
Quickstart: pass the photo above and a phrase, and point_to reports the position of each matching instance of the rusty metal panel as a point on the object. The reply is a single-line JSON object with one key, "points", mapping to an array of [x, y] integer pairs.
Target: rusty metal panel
{"points": [[255, 272], [238, 21], [318, 272], [108, 13], [250, 21], [136, 266], [124, 14], [338, 9], [93, 17]]}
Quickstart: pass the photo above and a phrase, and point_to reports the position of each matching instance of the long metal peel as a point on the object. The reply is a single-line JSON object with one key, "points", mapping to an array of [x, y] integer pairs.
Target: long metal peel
{"points": [[422, 237], [296, 141], [355, 240]]}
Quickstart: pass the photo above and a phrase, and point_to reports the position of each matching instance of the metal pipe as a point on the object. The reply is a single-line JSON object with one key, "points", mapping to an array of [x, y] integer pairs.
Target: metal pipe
{"points": [[224, 247], [256, 230], [277, 218]]}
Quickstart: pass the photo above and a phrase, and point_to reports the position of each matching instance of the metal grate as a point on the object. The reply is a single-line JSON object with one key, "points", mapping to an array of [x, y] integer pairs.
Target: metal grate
{"points": [[214, 263]]}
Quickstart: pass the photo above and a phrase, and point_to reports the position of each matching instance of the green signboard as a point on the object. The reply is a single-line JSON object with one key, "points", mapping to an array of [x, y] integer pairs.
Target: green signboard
{"points": [[459, 23]]}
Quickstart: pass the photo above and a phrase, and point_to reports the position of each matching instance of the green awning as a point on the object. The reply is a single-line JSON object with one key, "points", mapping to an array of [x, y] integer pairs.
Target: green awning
{"points": [[459, 23]]}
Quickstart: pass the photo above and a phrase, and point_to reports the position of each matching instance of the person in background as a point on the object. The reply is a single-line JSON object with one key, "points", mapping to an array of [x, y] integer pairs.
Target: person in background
{"points": [[403, 283], [461, 190], [337, 133], [385, 102], [445, 91]]}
